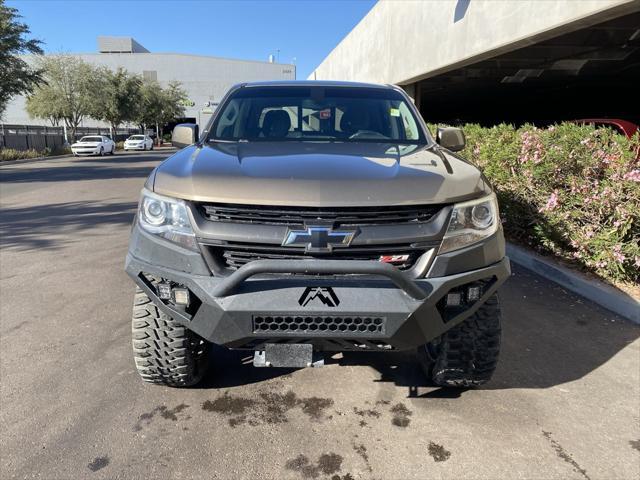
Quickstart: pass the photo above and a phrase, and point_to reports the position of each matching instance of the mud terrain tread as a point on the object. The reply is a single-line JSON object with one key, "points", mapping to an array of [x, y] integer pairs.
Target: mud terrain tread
{"points": [[466, 355], [165, 352]]}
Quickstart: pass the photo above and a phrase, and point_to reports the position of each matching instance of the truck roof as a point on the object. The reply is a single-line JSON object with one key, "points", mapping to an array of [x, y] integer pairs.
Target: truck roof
{"points": [[314, 83]]}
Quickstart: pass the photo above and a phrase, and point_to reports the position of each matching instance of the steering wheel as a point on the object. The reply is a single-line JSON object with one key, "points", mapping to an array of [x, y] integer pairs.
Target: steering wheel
{"points": [[368, 134]]}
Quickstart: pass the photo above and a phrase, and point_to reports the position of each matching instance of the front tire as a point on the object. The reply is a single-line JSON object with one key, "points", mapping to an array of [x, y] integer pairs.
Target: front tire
{"points": [[164, 351], [467, 355]]}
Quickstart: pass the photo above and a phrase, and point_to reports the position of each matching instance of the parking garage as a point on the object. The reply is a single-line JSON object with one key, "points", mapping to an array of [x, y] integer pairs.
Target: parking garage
{"points": [[490, 62]]}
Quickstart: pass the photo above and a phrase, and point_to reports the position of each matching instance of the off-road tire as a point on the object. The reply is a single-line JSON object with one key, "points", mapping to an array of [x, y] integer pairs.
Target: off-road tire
{"points": [[164, 351], [466, 355]]}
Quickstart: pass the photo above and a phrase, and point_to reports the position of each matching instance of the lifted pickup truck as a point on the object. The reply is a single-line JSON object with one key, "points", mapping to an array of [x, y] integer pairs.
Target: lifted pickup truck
{"points": [[314, 217]]}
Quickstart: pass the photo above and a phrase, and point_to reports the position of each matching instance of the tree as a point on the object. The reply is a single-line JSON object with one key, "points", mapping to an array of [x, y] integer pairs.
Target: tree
{"points": [[151, 102], [174, 101], [118, 100], [16, 76], [70, 85], [46, 105], [160, 105]]}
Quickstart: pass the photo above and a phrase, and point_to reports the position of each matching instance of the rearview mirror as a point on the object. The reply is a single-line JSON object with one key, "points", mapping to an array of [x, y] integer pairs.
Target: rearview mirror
{"points": [[184, 134], [451, 138]]}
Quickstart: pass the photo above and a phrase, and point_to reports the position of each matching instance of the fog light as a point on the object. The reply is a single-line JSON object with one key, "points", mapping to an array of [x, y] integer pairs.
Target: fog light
{"points": [[181, 296], [454, 299], [473, 294], [164, 291]]}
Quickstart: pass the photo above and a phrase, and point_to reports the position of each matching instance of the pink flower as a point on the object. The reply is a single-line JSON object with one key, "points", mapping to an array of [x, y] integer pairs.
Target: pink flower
{"points": [[601, 264], [633, 175], [637, 262], [552, 202], [617, 223], [618, 255]]}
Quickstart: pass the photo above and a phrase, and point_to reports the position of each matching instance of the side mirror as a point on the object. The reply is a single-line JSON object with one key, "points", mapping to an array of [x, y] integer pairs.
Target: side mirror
{"points": [[451, 138], [184, 134]]}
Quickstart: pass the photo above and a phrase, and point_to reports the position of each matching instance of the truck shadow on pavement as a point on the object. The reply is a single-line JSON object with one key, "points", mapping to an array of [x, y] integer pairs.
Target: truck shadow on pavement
{"points": [[49, 226], [105, 168], [550, 337]]}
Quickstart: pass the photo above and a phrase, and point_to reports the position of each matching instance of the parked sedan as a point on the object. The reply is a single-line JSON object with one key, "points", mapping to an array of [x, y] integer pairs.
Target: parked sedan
{"points": [[94, 145], [138, 142]]}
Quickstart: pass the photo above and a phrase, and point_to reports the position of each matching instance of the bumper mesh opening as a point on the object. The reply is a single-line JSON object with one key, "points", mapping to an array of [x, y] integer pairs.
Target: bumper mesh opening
{"points": [[319, 325]]}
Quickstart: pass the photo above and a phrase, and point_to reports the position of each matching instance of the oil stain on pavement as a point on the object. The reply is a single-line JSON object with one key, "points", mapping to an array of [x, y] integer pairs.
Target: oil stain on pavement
{"points": [[562, 453], [166, 413], [98, 463], [401, 415], [438, 452], [327, 464], [362, 451], [268, 408]]}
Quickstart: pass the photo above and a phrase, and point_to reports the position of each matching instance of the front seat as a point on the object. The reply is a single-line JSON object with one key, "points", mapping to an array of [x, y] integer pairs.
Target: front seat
{"points": [[353, 120], [276, 124]]}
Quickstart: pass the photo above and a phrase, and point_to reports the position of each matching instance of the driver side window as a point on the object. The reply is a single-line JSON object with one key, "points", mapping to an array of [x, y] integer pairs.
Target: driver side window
{"points": [[408, 123]]}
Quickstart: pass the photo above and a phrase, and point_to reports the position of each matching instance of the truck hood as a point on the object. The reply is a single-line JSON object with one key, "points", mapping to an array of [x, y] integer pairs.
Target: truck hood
{"points": [[318, 174]]}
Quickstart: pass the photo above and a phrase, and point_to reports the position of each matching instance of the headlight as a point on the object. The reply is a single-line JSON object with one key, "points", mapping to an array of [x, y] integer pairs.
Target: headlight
{"points": [[471, 222], [167, 218]]}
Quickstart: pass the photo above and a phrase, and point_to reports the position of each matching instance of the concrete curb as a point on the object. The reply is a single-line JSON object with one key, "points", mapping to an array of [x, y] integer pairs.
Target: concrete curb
{"points": [[604, 295]]}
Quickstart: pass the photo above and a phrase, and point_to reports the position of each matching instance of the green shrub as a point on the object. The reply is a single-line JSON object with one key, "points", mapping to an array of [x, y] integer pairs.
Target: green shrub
{"points": [[7, 154], [569, 190]]}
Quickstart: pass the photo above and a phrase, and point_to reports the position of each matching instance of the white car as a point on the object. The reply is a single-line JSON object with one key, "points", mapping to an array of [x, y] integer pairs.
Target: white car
{"points": [[138, 142], [94, 145]]}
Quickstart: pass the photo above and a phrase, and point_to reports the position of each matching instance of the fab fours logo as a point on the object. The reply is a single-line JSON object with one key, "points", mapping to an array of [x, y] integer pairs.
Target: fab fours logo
{"points": [[316, 295]]}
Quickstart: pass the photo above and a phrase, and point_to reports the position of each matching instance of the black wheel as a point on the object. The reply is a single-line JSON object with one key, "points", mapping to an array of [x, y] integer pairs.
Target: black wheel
{"points": [[101, 152], [113, 150], [164, 351], [151, 147], [466, 355]]}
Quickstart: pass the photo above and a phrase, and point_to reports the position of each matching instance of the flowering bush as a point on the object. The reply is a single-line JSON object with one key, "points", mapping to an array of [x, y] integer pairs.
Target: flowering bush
{"points": [[7, 154], [569, 190]]}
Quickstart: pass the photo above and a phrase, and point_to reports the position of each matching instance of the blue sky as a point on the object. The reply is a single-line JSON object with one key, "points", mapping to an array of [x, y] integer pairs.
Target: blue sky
{"points": [[249, 29]]}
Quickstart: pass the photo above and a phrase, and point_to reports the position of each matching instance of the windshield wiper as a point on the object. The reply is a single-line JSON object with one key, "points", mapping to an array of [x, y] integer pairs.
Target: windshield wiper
{"points": [[220, 140]]}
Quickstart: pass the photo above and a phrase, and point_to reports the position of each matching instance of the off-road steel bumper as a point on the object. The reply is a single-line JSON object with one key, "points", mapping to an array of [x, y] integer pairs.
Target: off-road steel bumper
{"points": [[334, 305]]}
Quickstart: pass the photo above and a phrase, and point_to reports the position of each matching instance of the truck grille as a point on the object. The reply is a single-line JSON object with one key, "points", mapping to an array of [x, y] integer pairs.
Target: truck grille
{"points": [[235, 255], [269, 215], [319, 325]]}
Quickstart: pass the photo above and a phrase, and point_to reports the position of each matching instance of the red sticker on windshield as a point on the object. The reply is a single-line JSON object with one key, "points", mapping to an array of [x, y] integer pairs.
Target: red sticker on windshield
{"points": [[326, 113]]}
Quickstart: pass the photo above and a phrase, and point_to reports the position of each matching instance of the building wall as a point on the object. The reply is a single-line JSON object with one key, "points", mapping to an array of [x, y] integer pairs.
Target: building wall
{"points": [[205, 79], [401, 42]]}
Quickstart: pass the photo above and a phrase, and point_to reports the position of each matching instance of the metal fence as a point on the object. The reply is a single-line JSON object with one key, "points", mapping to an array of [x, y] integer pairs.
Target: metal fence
{"points": [[25, 137]]}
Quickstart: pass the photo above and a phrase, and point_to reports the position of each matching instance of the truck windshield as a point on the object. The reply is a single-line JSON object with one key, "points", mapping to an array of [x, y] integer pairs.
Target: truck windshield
{"points": [[346, 114]]}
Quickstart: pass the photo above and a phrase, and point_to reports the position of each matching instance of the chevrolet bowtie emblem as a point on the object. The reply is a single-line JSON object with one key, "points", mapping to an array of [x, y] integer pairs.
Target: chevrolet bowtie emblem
{"points": [[318, 239]]}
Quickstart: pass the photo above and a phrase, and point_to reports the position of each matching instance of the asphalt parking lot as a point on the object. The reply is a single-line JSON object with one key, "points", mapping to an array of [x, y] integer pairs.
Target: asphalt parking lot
{"points": [[564, 403]]}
